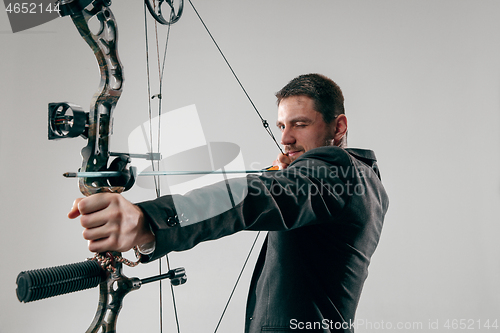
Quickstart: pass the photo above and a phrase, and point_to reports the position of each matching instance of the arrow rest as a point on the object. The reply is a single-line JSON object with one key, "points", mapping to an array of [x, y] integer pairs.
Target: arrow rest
{"points": [[128, 175]]}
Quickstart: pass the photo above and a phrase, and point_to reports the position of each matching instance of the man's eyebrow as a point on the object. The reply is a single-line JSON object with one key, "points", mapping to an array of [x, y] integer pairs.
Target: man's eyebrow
{"points": [[301, 120], [298, 119]]}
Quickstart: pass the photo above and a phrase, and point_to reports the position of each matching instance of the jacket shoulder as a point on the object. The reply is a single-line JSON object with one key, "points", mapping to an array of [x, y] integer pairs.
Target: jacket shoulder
{"points": [[328, 154], [343, 157]]}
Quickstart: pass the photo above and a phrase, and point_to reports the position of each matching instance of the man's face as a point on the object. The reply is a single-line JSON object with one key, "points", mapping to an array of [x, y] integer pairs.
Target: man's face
{"points": [[302, 127]]}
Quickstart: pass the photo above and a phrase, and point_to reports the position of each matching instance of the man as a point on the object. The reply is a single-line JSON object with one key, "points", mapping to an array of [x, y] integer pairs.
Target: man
{"points": [[324, 212]]}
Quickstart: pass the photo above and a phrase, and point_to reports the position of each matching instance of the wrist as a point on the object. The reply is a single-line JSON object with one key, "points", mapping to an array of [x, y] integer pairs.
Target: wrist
{"points": [[146, 234], [147, 242]]}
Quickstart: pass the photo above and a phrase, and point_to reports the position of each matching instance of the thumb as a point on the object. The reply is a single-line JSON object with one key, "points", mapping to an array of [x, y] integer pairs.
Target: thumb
{"points": [[75, 212]]}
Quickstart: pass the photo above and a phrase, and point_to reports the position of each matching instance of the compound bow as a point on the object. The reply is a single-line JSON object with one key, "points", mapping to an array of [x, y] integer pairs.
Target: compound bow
{"points": [[68, 120]]}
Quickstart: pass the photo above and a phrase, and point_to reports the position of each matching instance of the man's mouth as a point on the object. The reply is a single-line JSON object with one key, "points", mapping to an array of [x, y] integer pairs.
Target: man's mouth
{"points": [[293, 152]]}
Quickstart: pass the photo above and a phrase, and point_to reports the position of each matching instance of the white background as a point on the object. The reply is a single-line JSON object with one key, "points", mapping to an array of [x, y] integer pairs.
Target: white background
{"points": [[421, 83]]}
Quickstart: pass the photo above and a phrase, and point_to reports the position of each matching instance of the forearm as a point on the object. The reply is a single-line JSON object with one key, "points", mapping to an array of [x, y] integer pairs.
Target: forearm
{"points": [[276, 203]]}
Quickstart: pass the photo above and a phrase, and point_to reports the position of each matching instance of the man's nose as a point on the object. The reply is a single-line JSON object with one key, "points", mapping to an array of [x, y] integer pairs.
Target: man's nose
{"points": [[287, 137]]}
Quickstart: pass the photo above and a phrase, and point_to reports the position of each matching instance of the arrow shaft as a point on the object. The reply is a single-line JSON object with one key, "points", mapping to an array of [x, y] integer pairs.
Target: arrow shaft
{"points": [[109, 174]]}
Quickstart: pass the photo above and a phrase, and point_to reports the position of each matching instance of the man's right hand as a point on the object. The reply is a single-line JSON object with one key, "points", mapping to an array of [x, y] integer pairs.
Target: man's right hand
{"points": [[283, 161]]}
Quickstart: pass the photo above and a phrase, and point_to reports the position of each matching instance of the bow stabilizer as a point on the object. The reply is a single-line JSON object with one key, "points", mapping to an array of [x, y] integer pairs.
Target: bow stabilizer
{"points": [[113, 286]]}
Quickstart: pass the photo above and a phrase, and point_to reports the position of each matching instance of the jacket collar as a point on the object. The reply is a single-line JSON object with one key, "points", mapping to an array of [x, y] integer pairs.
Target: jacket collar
{"points": [[365, 155]]}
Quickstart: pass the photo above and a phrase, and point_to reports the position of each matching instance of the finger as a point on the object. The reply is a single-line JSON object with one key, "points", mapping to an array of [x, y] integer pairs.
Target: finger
{"points": [[94, 203], [103, 231], [99, 218], [96, 246], [284, 161], [75, 212], [99, 245], [109, 243]]}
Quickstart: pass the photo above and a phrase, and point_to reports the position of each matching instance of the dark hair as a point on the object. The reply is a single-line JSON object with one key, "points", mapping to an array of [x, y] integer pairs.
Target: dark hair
{"points": [[326, 94]]}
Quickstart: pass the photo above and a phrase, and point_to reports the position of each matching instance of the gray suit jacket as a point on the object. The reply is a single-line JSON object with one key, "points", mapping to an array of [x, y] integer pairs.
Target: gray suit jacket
{"points": [[324, 214]]}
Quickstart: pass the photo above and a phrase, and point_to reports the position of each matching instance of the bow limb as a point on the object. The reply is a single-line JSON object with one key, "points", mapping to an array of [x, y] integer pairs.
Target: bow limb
{"points": [[112, 290], [104, 44]]}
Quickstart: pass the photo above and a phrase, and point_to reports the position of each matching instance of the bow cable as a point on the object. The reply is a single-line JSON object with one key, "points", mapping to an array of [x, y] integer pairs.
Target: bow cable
{"points": [[153, 166], [264, 121]]}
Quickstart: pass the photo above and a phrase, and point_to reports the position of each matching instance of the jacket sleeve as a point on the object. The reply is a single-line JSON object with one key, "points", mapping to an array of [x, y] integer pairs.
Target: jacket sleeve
{"points": [[310, 191]]}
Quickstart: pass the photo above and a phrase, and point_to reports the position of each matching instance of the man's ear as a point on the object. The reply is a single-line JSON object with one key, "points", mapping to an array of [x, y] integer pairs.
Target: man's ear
{"points": [[340, 130]]}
